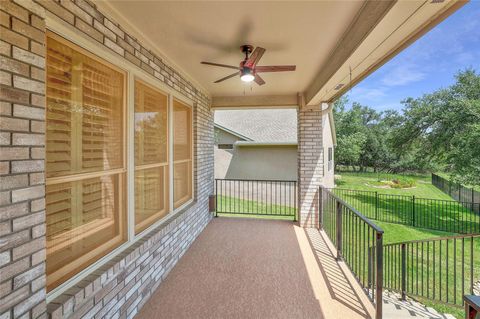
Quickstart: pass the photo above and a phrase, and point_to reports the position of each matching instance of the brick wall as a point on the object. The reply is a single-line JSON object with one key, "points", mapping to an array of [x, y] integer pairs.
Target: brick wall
{"points": [[122, 286], [310, 164]]}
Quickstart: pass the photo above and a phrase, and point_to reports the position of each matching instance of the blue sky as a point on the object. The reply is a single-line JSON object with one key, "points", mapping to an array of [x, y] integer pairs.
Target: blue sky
{"points": [[427, 65]]}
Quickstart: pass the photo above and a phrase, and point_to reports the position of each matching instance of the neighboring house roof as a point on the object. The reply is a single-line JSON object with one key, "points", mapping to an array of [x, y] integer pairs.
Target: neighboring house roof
{"points": [[223, 128], [260, 125]]}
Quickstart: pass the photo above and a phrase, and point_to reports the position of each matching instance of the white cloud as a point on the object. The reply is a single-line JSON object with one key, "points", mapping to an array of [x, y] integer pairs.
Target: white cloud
{"points": [[403, 74]]}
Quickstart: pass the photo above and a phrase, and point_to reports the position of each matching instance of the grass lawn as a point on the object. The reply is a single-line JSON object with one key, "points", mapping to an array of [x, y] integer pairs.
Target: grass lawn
{"points": [[232, 206], [430, 209], [359, 181]]}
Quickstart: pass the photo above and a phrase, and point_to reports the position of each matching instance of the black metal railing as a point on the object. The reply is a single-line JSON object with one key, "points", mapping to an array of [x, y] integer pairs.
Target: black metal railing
{"points": [[442, 269], [358, 242], [435, 214], [458, 192], [256, 197]]}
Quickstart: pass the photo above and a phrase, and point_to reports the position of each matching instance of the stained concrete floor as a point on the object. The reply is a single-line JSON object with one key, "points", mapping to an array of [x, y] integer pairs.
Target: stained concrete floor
{"points": [[253, 268]]}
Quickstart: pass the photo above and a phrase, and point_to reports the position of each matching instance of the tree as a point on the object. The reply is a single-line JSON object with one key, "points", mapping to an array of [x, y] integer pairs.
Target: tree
{"points": [[446, 126]]}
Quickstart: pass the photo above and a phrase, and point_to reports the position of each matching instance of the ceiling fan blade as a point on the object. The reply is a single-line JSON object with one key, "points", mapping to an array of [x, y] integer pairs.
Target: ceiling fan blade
{"points": [[221, 65], [259, 80], [254, 57], [275, 68], [227, 77]]}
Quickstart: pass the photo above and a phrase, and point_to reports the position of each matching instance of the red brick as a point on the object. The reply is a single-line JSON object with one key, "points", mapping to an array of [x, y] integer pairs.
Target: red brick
{"points": [[58, 10], [27, 30], [13, 153], [28, 193], [28, 221], [28, 84], [4, 19], [14, 181], [14, 95], [14, 124], [14, 38], [76, 10], [14, 66], [14, 10], [28, 112], [88, 30], [28, 248], [29, 57], [5, 48], [14, 240], [28, 139], [27, 166]]}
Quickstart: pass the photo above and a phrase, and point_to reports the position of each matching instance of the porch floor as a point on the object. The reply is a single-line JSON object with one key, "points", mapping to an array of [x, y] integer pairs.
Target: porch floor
{"points": [[253, 268]]}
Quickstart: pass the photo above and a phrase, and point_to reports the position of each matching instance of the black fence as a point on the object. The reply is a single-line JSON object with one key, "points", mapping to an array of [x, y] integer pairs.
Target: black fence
{"points": [[440, 269], [458, 192], [435, 214], [358, 242], [256, 197]]}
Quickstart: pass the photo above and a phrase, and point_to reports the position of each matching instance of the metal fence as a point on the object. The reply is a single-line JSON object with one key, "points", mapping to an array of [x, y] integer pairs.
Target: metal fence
{"points": [[458, 192], [358, 242], [441, 269], [256, 197], [435, 214]]}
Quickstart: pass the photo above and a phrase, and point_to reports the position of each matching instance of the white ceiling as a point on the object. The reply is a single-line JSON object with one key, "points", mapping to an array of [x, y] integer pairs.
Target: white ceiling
{"points": [[300, 33]]}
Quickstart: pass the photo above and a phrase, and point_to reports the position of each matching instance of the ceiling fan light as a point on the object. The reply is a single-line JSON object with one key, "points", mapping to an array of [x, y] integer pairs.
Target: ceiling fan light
{"points": [[247, 77]]}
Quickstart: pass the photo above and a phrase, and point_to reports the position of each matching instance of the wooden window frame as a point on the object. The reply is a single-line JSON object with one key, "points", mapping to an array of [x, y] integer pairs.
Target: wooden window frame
{"points": [[192, 157], [70, 177], [57, 26], [165, 165]]}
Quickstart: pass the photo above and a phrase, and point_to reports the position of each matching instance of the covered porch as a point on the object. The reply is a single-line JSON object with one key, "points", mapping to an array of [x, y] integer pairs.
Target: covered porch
{"points": [[255, 268]]}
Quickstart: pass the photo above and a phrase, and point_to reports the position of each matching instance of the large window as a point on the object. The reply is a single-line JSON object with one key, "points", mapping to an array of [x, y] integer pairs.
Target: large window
{"points": [[151, 155], [182, 153], [85, 159], [89, 161]]}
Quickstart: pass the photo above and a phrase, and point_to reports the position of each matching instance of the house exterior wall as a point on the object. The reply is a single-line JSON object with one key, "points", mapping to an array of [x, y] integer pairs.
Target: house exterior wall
{"points": [[120, 287], [223, 137], [258, 162], [329, 178]]}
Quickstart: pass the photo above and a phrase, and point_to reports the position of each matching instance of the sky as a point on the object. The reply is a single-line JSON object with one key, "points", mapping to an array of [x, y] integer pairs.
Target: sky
{"points": [[428, 64]]}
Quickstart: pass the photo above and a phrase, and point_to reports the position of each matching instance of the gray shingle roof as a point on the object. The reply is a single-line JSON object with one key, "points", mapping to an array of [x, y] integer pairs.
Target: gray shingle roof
{"points": [[261, 125]]}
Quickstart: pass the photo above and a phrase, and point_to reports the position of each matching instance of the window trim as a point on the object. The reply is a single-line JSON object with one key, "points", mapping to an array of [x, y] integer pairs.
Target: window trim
{"points": [[56, 26]]}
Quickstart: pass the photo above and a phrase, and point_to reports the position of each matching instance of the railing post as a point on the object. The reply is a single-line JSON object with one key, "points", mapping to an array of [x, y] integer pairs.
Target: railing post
{"points": [[216, 197], [379, 279], [404, 271], [320, 207], [376, 205], [370, 265], [339, 230], [413, 210]]}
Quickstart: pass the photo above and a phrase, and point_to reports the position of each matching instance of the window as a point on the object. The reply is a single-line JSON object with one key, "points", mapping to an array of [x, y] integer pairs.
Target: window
{"points": [[151, 155], [330, 158], [182, 153], [85, 159]]}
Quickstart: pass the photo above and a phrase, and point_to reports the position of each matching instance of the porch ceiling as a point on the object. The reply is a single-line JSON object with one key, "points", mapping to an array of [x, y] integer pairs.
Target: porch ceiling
{"points": [[327, 40]]}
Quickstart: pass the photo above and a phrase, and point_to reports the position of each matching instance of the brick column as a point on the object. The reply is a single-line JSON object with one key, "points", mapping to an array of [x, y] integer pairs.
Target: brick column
{"points": [[310, 164], [22, 153]]}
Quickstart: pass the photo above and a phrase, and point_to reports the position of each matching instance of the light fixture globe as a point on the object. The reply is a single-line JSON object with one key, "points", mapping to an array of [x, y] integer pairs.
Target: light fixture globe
{"points": [[247, 75]]}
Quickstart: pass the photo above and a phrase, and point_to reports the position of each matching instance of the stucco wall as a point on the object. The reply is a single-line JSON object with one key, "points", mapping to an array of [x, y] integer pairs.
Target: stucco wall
{"points": [[257, 162], [329, 176], [224, 137]]}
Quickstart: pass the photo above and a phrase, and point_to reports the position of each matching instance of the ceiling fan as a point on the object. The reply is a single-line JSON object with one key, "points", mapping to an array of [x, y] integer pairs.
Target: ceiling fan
{"points": [[248, 69]]}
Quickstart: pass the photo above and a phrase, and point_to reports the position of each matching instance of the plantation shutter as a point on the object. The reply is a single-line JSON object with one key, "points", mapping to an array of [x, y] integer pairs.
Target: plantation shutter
{"points": [[151, 155], [84, 158], [182, 153]]}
